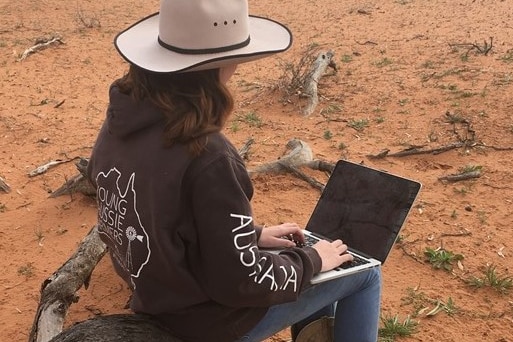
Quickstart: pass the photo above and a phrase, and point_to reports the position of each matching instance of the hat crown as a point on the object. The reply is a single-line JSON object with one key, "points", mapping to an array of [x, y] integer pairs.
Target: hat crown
{"points": [[203, 26]]}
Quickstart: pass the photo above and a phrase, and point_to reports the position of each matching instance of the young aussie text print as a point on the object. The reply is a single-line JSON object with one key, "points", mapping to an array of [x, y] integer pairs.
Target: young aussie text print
{"points": [[119, 223]]}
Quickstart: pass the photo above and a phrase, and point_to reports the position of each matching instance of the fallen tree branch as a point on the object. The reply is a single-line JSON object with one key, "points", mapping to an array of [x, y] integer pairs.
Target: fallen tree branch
{"points": [[298, 173], [78, 183], [58, 292], [299, 154], [40, 44], [461, 176], [497, 148], [43, 168], [416, 150], [323, 61], [465, 139], [321, 166], [438, 150]]}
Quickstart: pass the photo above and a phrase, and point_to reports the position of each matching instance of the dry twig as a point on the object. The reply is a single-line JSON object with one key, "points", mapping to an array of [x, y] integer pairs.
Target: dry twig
{"points": [[462, 130], [4, 186], [485, 49]]}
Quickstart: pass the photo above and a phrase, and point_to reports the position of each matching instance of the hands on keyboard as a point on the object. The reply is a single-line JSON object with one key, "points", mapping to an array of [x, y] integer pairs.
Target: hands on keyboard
{"points": [[310, 241]]}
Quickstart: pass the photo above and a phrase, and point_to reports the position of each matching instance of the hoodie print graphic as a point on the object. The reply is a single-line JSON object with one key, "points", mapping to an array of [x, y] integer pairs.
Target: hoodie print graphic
{"points": [[263, 269], [119, 222]]}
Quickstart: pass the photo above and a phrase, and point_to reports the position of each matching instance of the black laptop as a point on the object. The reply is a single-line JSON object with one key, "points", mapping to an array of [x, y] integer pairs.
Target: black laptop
{"points": [[364, 207]]}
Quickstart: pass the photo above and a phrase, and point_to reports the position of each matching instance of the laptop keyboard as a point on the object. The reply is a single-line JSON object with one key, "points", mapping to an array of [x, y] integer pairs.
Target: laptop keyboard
{"points": [[357, 261], [309, 241]]}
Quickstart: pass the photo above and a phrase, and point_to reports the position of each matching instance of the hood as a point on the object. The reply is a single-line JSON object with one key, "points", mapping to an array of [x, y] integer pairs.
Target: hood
{"points": [[125, 116]]}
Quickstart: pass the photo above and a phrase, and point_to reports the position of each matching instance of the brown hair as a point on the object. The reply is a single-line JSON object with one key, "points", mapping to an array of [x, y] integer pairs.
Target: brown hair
{"points": [[194, 103]]}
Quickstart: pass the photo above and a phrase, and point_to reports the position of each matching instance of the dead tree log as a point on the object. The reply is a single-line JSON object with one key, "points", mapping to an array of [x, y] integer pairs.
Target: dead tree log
{"points": [[299, 154], [58, 292], [116, 328], [323, 61]]}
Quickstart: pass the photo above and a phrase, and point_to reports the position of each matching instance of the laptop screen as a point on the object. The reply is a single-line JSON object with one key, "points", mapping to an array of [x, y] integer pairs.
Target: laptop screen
{"points": [[363, 207]]}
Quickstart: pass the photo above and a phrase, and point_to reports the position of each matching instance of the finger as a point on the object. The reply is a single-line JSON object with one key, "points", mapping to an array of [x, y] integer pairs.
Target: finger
{"points": [[289, 229], [337, 243], [299, 235], [346, 257], [343, 248], [291, 226], [280, 242]]}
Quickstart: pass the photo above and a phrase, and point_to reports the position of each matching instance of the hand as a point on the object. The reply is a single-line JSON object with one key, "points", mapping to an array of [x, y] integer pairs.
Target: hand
{"points": [[332, 254], [281, 236]]}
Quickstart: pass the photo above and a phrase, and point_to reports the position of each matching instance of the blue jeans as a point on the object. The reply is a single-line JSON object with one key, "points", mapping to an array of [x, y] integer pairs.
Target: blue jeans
{"points": [[354, 301]]}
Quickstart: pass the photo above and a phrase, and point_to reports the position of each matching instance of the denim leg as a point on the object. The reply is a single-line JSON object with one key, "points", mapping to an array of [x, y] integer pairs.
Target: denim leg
{"points": [[357, 312], [357, 315]]}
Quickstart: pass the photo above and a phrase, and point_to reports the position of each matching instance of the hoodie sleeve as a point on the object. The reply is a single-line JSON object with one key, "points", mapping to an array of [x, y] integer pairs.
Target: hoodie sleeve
{"points": [[234, 271]]}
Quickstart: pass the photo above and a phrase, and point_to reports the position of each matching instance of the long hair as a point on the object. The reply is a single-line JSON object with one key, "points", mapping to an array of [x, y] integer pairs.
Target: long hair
{"points": [[193, 103]]}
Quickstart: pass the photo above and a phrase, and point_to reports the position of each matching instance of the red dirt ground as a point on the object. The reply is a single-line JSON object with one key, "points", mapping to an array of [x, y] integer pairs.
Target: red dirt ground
{"points": [[410, 73]]}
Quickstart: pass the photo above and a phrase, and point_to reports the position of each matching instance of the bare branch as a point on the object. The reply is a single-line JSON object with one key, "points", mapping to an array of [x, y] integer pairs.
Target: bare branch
{"points": [[41, 44]]}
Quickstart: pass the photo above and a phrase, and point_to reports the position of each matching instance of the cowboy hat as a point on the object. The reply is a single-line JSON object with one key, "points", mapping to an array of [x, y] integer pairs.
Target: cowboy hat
{"points": [[191, 35]]}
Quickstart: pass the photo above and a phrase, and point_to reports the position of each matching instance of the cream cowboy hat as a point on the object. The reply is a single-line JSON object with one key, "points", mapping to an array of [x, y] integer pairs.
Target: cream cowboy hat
{"points": [[191, 35]]}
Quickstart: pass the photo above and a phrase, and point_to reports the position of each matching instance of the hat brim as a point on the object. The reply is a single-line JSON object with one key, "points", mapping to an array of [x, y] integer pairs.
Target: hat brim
{"points": [[139, 45]]}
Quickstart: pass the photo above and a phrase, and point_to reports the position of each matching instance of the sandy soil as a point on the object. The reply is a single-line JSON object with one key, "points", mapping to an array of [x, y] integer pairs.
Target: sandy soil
{"points": [[433, 75]]}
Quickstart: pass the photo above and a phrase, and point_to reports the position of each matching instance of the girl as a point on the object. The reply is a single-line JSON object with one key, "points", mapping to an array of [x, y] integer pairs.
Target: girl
{"points": [[174, 194]]}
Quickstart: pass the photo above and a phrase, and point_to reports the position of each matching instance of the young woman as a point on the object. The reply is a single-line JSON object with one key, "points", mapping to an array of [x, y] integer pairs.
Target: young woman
{"points": [[174, 194]]}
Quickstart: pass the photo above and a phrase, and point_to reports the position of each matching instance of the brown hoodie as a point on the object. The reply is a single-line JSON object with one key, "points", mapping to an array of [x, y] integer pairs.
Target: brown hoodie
{"points": [[180, 229]]}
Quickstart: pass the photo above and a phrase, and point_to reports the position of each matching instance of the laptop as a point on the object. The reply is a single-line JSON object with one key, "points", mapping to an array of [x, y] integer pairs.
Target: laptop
{"points": [[365, 208]]}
